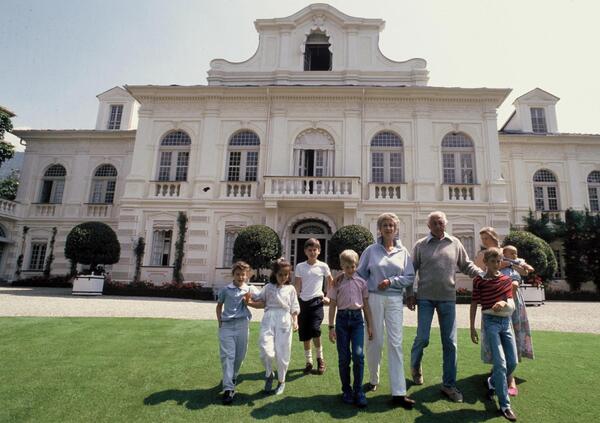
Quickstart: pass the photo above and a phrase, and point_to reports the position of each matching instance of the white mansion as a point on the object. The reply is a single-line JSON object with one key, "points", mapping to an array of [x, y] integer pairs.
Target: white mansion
{"points": [[315, 131]]}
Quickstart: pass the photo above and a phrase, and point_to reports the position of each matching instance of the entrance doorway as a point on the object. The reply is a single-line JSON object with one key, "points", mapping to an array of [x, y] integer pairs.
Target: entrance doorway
{"points": [[301, 232]]}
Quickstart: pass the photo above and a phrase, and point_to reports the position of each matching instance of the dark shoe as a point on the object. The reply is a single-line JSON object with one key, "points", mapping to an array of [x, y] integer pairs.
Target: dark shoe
{"points": [[228, 397], [403, 401], [509, 414], [321, 366], [452, 393], [361, 400], [308, 368], [490, 389], [348, 398], [269, 383], [417, 376], [369, 387]]}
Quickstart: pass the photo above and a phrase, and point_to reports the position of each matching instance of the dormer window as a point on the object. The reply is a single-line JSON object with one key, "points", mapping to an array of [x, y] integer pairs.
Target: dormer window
{"points": [[538, 120], [317, 56], [114, 119]]}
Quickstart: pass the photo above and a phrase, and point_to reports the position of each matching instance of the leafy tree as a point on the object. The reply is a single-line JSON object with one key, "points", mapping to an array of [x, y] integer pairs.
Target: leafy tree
{"points": [[50, 258], [138, 250], [535, 251], [353, 237], [546, 228], [7, 150], [592, 243], [92, 243], [575, 249], [179, 247], [9, 186], [257, 245]]}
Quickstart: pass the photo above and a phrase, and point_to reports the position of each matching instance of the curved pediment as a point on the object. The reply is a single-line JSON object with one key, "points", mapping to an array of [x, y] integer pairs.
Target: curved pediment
{"points": [[285, 56]]}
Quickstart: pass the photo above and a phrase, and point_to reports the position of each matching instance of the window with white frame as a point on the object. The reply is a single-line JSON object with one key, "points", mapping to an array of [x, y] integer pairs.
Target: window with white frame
{"points": [[53, 185], [114, 117], [387, 158], [458, 159], [545, 190], [559, 274], [161, 247], [242, 157], [231, 234], [174, 156], [38, 255], [103, 185], [593, 181], [314, 153], [538, 120]]}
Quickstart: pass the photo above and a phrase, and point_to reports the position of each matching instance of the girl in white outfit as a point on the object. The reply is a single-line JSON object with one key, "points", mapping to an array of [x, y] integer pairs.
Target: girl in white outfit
{"points": [[279, 320]]}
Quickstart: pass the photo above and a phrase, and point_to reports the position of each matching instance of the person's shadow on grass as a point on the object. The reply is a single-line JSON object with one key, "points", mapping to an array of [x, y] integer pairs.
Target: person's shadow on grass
{"points": [[289, 405]]}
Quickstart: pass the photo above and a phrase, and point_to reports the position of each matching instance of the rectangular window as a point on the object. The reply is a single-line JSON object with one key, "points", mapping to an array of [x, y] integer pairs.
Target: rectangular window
{"points": [[377, 167], [161, 247], [96, 196], [110, 192], [594, 202], [57, 191], [449, 168], [395, 167], [230, 237], [466, 168], [116, 113], [164, 169], [538, 120], [251, 165], [559, 269], [183, 158], [38, 256], [539, 198], [235, 160]]}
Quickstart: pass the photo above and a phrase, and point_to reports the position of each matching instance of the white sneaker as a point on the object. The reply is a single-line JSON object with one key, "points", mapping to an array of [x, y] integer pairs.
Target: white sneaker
{"points": [[280, 388]]}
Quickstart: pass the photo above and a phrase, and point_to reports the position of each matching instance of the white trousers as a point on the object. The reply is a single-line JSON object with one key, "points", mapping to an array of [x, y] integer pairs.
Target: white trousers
{"points": [[387, 316], [275, 341], [233, 337]]}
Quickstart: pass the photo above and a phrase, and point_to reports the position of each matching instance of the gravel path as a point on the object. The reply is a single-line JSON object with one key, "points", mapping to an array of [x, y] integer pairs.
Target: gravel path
{"points": [[55, 302]]}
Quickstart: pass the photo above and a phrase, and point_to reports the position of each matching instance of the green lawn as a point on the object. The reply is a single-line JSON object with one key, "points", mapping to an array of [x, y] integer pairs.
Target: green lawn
{"points": [[158, 370]]}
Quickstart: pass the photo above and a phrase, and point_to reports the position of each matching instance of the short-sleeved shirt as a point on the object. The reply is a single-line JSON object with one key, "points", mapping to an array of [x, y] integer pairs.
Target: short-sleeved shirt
{"points": [[350, 293], [283, 297], [488, 292], [312, 279], [232, 297]]}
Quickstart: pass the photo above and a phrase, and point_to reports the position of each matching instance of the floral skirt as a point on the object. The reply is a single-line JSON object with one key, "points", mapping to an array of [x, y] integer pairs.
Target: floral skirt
{"points": [[521, 329]]}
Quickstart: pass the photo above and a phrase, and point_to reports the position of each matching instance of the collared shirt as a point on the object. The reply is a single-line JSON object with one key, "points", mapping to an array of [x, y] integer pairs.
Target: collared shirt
{"points": [[377, 264], [232, 297], [350, 293], [276, 297]]}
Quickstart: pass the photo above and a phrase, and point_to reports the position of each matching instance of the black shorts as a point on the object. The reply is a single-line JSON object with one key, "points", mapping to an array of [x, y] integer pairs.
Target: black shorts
{"points": [[310, 318]]}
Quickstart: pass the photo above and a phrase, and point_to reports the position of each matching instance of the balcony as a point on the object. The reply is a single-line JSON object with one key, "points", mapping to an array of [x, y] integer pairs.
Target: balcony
{"points": [[45, 210], [97, 210], [8, 208], [552, 214], [387, 192], [167, 189], [460, 192], [311, 188], [237, 190]]}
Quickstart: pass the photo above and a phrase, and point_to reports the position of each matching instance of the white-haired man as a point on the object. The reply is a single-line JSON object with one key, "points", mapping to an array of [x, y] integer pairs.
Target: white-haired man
{"points": [[436, 259]]}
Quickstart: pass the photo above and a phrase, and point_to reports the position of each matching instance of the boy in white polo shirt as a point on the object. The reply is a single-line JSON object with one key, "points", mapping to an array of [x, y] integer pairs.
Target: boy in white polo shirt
{"points": [[310, 275]]}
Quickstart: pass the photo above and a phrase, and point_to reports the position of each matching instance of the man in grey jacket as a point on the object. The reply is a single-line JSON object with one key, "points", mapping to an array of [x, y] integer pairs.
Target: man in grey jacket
{"points": [[436, 259]]}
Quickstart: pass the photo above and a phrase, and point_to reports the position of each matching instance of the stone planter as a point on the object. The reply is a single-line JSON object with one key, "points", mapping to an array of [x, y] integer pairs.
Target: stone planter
{"points": [[88, 285], [532, 295]]}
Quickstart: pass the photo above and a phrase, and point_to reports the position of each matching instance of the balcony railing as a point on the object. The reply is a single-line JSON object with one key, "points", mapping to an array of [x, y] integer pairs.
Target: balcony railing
{"points": [[552, 214], [8, 208], [455, 192], [45, 210], [168, 189], [308, 187], [383, 191], [239, 190], [98, 210]]}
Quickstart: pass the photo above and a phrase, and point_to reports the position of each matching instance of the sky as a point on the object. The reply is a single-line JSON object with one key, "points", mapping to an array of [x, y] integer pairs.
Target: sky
{"points": [[56, 56]]}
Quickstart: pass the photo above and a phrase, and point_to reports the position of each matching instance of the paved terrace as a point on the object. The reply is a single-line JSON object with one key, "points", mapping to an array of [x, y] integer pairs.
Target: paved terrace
{"points": [[57, 302]]}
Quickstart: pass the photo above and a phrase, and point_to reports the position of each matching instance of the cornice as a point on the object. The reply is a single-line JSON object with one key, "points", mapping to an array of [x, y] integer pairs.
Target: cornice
{"points": [[74, 134]]}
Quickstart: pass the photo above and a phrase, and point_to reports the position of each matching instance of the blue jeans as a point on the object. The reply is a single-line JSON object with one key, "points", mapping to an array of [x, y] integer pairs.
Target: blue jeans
{"points": [[446, 311], [501, 341], [350, 334]]}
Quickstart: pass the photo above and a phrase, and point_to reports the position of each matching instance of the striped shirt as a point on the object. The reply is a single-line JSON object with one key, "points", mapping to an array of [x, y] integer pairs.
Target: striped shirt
{"points": [[488, 292]]}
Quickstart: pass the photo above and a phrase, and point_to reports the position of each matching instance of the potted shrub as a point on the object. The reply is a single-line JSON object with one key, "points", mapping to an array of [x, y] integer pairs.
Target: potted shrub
{"points": [[257, 245], [93, 244]]}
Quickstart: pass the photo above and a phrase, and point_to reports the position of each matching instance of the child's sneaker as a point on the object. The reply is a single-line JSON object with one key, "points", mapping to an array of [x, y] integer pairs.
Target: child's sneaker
{"points": [[228, 397], [280, 388], [308, 368], [361, 400], [348, 398], [320, 366], [269, 383]]}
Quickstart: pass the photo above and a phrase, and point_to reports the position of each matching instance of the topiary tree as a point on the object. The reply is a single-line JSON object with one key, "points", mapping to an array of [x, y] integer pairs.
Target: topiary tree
{"points": [[138, 250], [353, 237], [257, 245], [535, 251], [575, 249], [92, 243]]}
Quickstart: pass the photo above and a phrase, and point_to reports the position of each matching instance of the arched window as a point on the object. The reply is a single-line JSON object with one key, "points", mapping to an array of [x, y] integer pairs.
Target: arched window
{"points": [[314, 153], [387, 164], [458, 159], [53, 185], [242, 157], [545, 190], [104, 184], [593, 181], [317, 56], [174, 156]]}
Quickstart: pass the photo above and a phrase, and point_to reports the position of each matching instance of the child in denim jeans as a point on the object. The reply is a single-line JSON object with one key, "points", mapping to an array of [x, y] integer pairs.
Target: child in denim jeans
{"points": [[494, 292], [349, 296]]}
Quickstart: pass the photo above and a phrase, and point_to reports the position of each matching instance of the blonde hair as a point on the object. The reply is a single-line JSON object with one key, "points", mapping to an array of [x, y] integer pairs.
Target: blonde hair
{"points": [[492, 253], [348, 257], [387, 216], [240, 265], [491, 232], [511, 248]]}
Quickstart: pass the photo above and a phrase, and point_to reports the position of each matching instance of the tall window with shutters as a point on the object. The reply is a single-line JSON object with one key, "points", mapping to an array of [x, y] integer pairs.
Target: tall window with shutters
{"points": [[593, 181], [545, 190], [538, 120], [242, 156], [103, 185], [115, 116], [161, 247], [174, 157], [387, 158], [458, 159]]}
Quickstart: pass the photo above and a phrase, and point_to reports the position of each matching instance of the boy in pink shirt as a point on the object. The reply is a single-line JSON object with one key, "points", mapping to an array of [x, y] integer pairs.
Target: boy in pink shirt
{"points": [[349, 296]]}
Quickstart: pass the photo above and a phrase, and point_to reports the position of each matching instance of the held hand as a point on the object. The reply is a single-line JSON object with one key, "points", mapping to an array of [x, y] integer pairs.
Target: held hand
{"points": [[499, 306], [332, 336], [247, 298], [411, 302], [338, 279], [474, 336], [384, 284], [370, 333], [326, 301], [295, 326]]}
